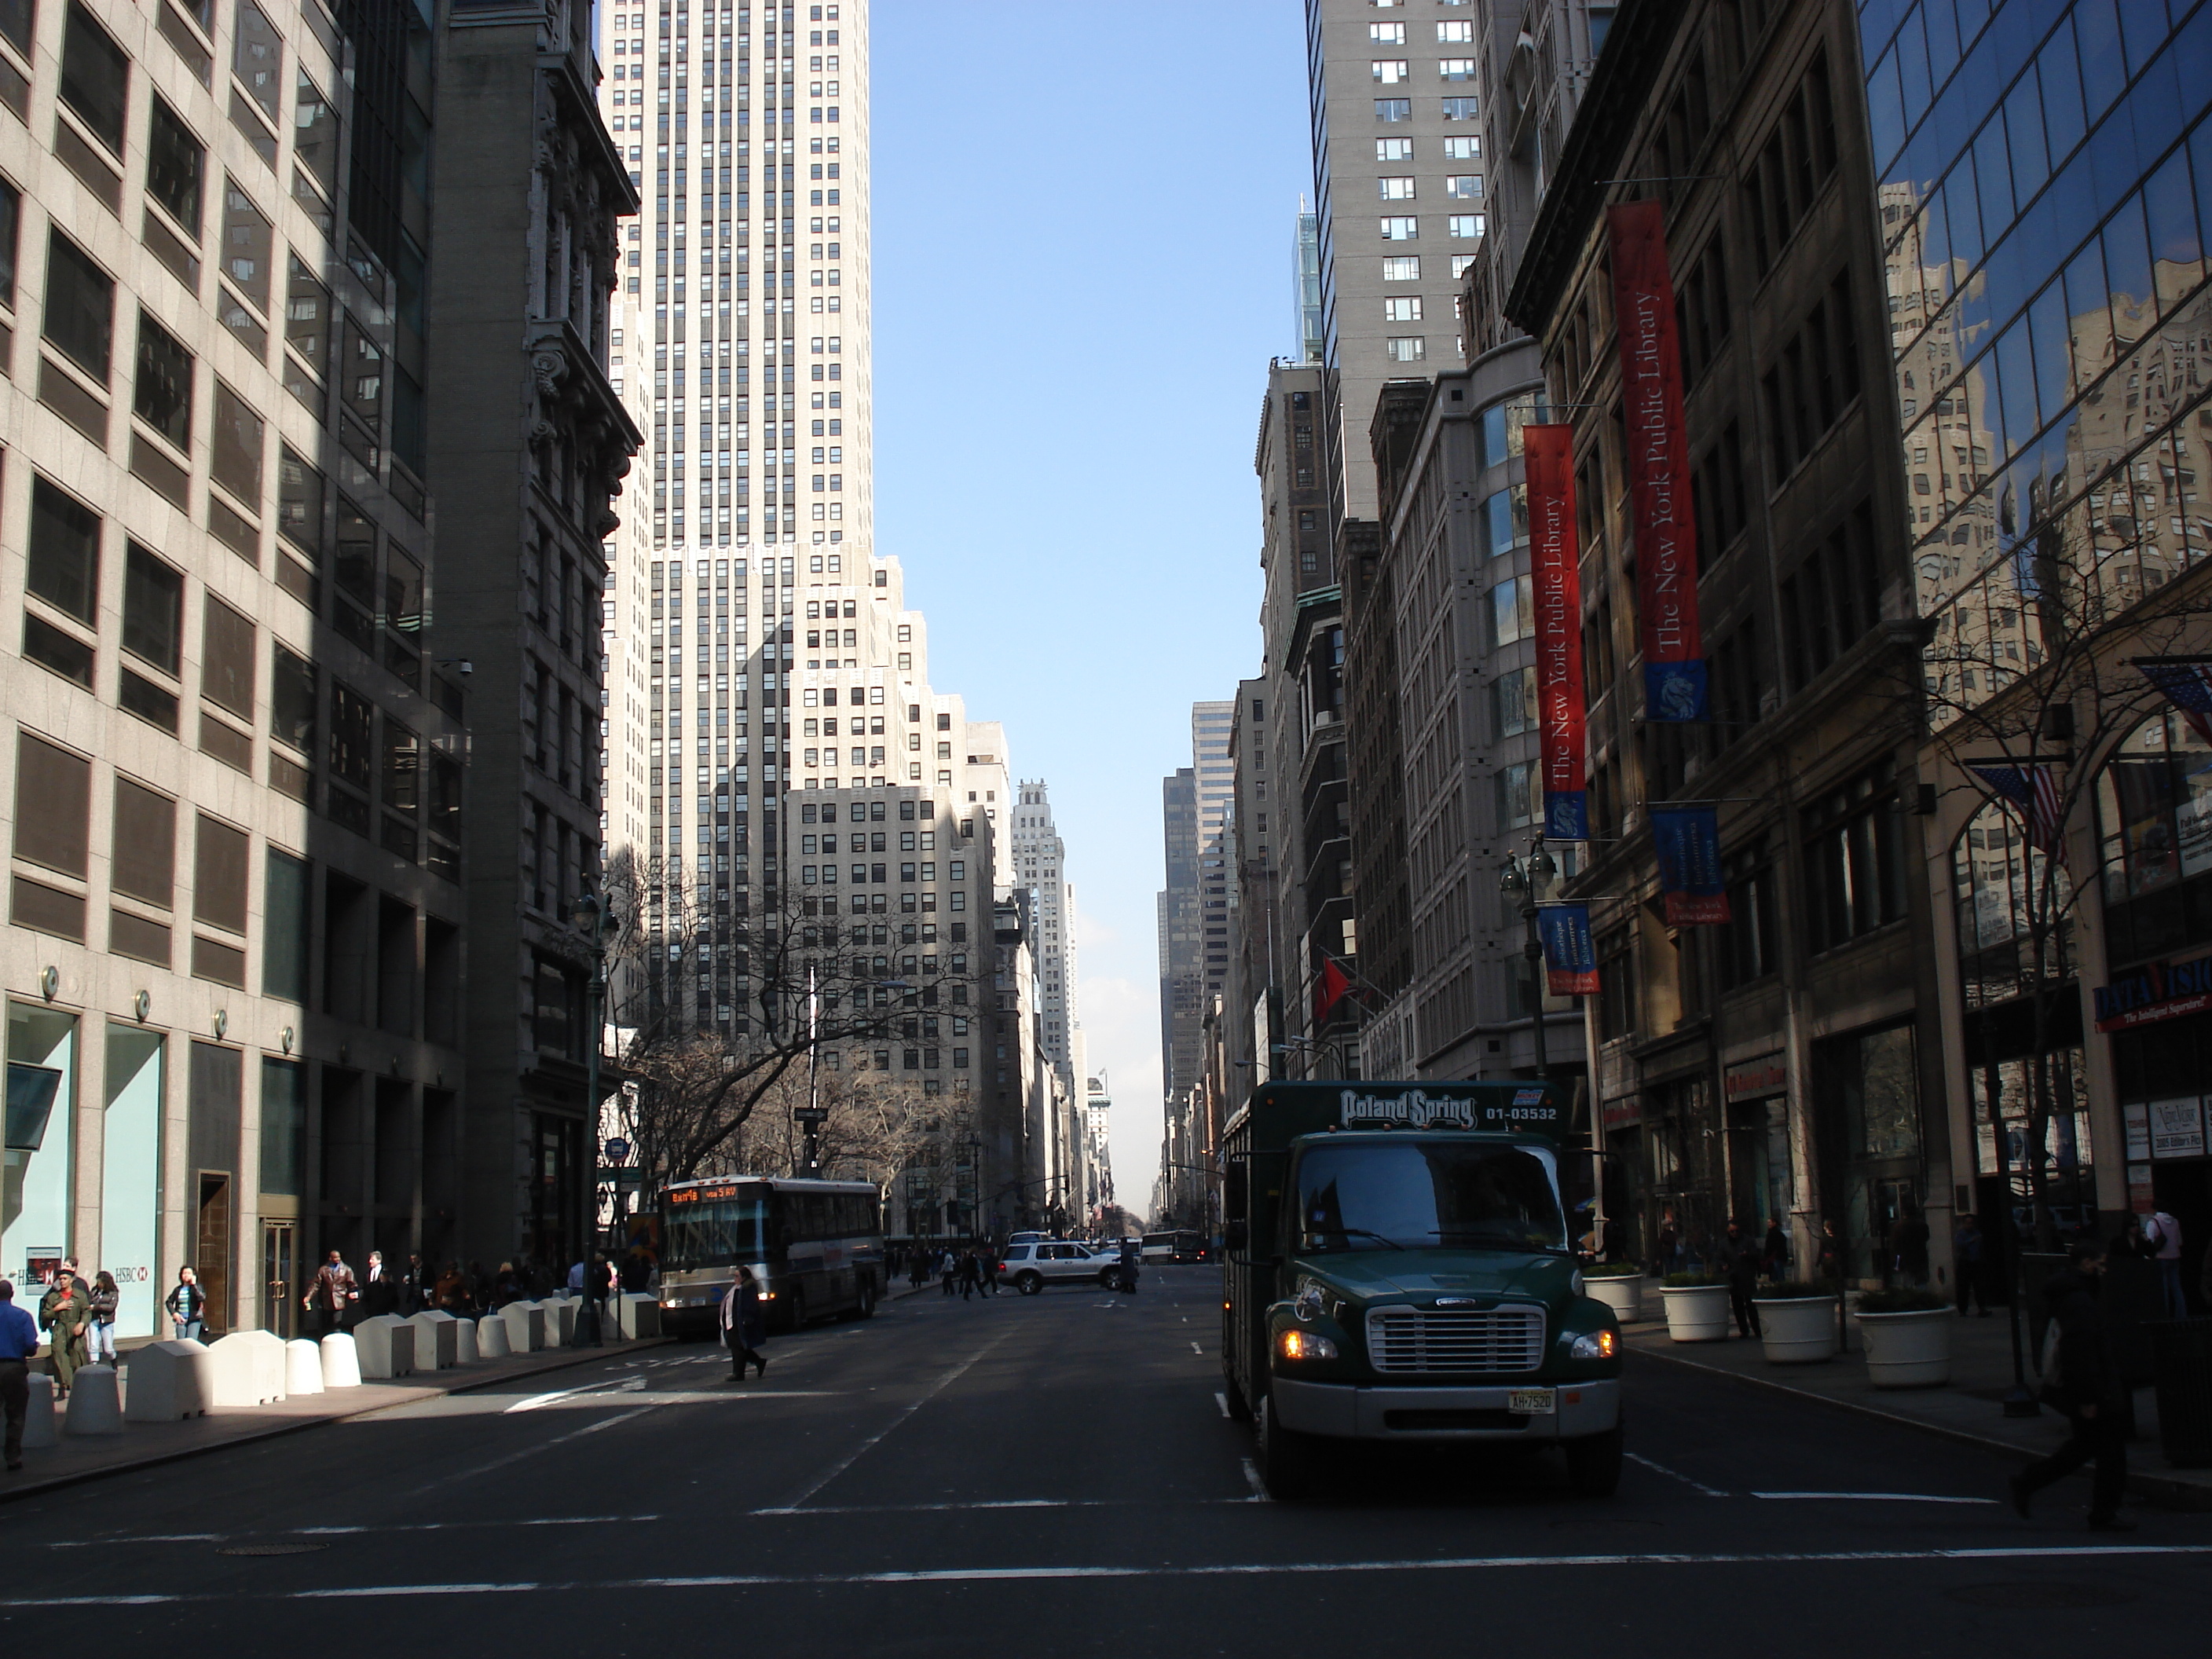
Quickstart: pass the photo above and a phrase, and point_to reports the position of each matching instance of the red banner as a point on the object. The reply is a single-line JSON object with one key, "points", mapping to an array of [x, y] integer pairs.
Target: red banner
{"points": [[1658, 465], [1555, 559]]}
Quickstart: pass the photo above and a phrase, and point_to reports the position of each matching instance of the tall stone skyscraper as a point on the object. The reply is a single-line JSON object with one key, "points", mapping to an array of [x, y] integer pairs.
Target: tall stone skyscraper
{"points": [[1040, 864]]}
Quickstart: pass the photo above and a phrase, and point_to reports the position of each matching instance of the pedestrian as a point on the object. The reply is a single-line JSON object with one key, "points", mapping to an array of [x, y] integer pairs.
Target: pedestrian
{"points": [[636, 1270], [2163, 1233], [1909, 1245], [1616, 1239], [576, 1277], [100, 1326], [948, 1269], [971, 1274], [453, 1290], [1740, 1259], [185, 1302], [2085, 1385], [19, 1340], [332, 1296], [1967, 1250], [992, 1267], [379, 1294], [62, 1316], [1775, 1255], [415, 1290], [743, 1329], [917, 1268], [1828, 1260]]}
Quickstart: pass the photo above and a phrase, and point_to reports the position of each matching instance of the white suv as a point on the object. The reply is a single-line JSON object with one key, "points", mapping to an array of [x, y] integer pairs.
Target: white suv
{"points": [[1028, 1267]]}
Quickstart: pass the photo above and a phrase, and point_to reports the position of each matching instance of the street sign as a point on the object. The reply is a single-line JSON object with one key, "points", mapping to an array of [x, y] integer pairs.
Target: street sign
{"points": [[628, 1175], [617, 1150], [809, 1114]]}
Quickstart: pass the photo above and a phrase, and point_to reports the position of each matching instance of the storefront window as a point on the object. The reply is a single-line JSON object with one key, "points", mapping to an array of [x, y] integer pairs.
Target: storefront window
{"points": [[34, 1226], [2155, 839], [2000, 886]]}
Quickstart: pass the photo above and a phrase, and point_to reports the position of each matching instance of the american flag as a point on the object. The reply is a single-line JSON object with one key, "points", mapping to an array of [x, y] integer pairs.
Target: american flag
{"points": [[2034, 792], [2187, 684]]}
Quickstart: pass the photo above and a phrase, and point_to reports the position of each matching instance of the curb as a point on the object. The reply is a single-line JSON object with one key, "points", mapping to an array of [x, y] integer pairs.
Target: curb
{"points": [[56, 1483], [2150, 1488]]}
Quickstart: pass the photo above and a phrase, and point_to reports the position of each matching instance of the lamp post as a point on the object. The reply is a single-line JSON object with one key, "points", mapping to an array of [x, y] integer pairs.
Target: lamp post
{"points": [[594, 913], [1524, 881]]}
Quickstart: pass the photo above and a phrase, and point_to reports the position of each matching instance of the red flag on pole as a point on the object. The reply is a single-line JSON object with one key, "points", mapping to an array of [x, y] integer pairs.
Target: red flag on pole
{"points": [[1328, 990]]}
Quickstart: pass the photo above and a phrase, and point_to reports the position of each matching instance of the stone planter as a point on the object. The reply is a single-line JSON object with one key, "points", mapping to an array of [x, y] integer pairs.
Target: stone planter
{"points": [[1622, 1292], [1907, 1350], [1797, 1330], [1697, 1313]]}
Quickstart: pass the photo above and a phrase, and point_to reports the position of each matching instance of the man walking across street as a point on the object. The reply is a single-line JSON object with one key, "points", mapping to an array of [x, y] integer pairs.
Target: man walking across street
{"points": [[332, 1295], [19, 1340], [2087, 1388], [1740, 1259], [743, 1329]]}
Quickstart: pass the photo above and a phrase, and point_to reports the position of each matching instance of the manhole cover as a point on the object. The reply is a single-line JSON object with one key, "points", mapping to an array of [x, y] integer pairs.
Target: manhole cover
{"points": [[270, 1549], [2035, 1596]]}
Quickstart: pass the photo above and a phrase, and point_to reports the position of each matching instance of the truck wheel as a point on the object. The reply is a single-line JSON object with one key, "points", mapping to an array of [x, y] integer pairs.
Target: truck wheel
{"points": [[1240, 1408], [1594, 1464], [1027, 1284], [1290, 1463]]}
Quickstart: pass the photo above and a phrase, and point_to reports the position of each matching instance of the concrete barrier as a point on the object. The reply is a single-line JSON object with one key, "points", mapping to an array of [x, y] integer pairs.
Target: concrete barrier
{"points": [[168, 1381], [341, 1362], [95, 1404], [437, 1340], [248, 1368], [464, 1342], [639, 1314], [39, 1429], [525, 1325], [303, 1367], [492, 1340], [560, 1321], [385, 1346]]}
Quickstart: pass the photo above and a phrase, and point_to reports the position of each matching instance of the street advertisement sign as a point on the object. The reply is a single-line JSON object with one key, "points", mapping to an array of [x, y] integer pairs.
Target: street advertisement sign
{"points": [[2176, 1128], [1569, 958], [1658, 465], [1689, 844], [1555, 561]]}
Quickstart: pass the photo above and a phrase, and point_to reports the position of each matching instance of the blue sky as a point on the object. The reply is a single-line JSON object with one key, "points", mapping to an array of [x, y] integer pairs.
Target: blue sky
{"points": [[1084, 218]]}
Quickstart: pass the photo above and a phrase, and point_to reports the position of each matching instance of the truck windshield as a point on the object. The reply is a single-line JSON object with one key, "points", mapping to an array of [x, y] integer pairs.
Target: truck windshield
{"points": [[1427, 1195]]}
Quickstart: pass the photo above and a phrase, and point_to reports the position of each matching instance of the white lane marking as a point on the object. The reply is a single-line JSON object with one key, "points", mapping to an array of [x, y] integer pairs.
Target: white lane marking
{"points": [[1879, 1496], [538, 1401], [990, 1503], [1199, 1351], [696, 1396], [1220, 1570], [1674, 1474], [934, 1389], [150, 1538], [1252, 1479], [533, 1450], [1222, 1400], [1185, 1319]]}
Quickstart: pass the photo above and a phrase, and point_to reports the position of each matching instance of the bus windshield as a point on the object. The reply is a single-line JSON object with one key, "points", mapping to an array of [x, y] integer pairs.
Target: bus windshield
{"points": [[714, 1234], [1427, 1195]]}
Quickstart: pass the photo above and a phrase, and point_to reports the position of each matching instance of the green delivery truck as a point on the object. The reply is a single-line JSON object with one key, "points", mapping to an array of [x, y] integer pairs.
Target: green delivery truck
{"points": [[1398, 1268]]}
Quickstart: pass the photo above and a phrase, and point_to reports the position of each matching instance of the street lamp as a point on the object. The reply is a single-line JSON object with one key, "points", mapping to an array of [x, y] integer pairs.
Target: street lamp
{"points": [[1525, 881]]}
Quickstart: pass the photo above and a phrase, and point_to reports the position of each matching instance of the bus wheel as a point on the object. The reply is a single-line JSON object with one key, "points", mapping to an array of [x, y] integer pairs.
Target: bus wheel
{"points": [[1290, 1463], [1027, 1284], [1594, 1464]]}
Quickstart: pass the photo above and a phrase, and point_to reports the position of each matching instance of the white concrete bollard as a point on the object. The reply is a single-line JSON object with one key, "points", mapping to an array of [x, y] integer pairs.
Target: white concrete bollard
{"points": [[168, 1381], [303, 1367], [39, 1429], [640, 1314], [95, 1404], [341, 1362], [525, 1325], [561, 1322], [385, 1347], [436, 1339], [248, 1368], [492, 1342], [464, 1342]]}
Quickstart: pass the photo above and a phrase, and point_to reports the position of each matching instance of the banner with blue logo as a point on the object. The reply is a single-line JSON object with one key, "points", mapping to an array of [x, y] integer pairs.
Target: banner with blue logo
{"points": [[1690, 877], [1569, 958]]}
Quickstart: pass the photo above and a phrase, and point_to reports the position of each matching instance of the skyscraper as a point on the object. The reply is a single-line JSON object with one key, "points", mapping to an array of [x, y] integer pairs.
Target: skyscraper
{"points": [[1215, 783], [1039, 864]]}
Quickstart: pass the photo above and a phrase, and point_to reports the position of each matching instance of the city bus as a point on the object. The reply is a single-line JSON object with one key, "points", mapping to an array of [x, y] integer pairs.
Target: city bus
{"points": [[1181, 1245], [816, 1247]]}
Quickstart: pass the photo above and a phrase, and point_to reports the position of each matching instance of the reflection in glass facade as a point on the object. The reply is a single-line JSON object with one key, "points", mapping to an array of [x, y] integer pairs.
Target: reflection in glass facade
{"points": [[2043, 171]]}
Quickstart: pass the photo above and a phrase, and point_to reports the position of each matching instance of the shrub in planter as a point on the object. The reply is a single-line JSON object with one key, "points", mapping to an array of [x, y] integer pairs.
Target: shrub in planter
{"points": [[1797, 1321], [1612, 1270], [1697, 1307], [1907, 1334]]}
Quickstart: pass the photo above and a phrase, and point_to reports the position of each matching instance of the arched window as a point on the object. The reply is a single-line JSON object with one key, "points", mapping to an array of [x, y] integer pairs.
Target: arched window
{"points": [[2155, 839]]}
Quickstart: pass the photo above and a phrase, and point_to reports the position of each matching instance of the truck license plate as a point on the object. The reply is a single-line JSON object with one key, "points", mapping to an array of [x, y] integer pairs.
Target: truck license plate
{"points": [[1531, 1402]]}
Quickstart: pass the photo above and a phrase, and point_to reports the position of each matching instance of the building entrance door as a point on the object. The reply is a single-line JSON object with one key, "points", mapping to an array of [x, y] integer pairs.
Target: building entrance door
{"points": [[213, 1244], [280, 1270]]}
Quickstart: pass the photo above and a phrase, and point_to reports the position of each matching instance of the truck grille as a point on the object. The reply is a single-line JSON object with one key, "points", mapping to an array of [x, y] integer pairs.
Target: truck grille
{"points": [[1509, 1338]]}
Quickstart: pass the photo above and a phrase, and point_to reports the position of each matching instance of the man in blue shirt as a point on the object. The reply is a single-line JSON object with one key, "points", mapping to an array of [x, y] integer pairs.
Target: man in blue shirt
{"points": [[19, 1340]]}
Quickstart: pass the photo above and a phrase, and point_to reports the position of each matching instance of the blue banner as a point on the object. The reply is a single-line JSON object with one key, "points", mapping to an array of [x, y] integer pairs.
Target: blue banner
{"points": [[1567, 815], [1689, 847], [1569, 958]]}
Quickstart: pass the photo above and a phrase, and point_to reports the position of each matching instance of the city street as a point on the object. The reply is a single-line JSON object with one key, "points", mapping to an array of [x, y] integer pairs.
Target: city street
{"points": [[1055, 1475]]}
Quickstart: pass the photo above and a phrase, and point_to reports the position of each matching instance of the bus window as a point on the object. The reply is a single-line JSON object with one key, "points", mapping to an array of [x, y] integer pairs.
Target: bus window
{"points": [[715, 1234]]}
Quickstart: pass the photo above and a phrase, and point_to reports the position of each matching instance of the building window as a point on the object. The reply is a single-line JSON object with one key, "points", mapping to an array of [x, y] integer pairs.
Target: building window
{"points": [[1401, 230], [1854, 861], [1460, 109], [1389, 70], [1464, 186], [1394, 149], [1394, 109], [1387, 34], [1456, 69], [80, 313], [1405, 348], [1406, 310], [1466, 226], [1401, 267]]}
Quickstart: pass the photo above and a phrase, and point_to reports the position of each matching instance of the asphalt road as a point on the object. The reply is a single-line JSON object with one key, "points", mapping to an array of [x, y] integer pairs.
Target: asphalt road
{"points": [[1055, 1475]]}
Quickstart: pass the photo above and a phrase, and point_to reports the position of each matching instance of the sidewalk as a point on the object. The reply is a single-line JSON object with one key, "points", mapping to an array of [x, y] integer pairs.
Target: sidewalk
{"points": [[1968, 1408], [142, 1445]]}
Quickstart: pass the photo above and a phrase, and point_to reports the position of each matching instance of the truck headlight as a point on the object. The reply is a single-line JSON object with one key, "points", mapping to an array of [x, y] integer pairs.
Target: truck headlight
{"points": [[1598, 1345], [1304, 1344], [1308, 1304]]}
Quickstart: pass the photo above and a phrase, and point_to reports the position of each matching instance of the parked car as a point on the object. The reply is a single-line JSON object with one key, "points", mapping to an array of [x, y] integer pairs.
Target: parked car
{"points": [[1029, 1267]]}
